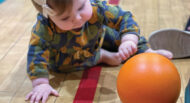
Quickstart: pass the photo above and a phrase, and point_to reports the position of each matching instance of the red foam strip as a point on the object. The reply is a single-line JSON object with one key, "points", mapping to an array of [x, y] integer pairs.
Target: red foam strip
{"points": [[115, 2], [87, 86]]}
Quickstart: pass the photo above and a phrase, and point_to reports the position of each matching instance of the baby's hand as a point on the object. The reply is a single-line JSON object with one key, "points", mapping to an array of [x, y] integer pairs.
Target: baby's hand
{"points": [[126, 49], [41, 92]]}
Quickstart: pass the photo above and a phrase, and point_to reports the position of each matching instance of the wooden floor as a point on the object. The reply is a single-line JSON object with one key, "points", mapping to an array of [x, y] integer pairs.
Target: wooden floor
{"points": [[17, 18]]}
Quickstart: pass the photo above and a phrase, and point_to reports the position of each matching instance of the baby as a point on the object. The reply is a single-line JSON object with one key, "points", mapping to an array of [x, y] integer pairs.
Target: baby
{"points": [[72, 35]]}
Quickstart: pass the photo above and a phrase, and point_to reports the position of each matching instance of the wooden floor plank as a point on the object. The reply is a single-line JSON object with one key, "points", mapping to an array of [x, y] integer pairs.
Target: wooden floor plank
{"points": [[177, 12], [151, 17], [184, 71], [17, 18], [22, 91], [107, 91], [16, 77], [181, 69], [5, 97], [12, 58], [69, 87], [165, 14], [15, 45], [15, 33]]}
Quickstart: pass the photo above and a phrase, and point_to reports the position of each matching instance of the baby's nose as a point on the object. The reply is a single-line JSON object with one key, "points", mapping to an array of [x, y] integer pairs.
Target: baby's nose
{"points": [[77, 18]]}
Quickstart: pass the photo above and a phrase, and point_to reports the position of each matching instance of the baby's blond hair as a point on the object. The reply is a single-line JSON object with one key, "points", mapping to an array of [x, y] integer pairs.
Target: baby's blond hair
{"points": [[60, 6]]}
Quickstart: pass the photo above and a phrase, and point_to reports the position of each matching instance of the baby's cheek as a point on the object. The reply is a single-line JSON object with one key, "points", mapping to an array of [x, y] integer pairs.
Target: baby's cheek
{"points": [[87, 13]]}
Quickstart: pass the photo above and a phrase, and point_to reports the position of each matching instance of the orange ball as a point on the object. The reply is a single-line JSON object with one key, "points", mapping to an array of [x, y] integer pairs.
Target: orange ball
{"points": [[148, 78]]}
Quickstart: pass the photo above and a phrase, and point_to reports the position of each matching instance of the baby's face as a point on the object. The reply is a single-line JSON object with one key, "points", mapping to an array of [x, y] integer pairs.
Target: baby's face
{"points": [[75, 18]]}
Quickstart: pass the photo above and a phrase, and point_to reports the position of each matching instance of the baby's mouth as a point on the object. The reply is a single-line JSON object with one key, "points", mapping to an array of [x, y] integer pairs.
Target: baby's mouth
{"points": [[77, 29]]}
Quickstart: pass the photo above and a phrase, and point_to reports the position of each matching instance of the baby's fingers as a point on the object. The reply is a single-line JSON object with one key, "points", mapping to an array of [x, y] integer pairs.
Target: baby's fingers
{"points": [[28, 96], [134, 48], [54, 92], [122, 55], [130, 50], [33, 98], [38, 98], [45, 97]]}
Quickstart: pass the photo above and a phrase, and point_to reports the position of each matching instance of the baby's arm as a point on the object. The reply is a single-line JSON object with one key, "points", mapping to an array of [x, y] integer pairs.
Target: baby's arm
{"points": [[41, 91], [37, 63], [123, 22], [128, 46]]}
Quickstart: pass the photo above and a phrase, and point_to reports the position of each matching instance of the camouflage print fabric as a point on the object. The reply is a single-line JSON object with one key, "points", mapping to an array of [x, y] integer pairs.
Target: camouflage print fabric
{"points": [[112, 41], [65, 51]]}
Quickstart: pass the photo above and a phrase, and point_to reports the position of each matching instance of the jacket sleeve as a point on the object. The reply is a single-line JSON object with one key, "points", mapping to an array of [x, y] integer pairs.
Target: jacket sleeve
{"points": [[114, 17], [38, 53]]}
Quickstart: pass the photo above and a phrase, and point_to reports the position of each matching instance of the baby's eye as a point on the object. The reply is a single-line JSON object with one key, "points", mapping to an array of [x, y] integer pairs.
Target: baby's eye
{"points": [[83, 5], [81, 8], [64, 19]]}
